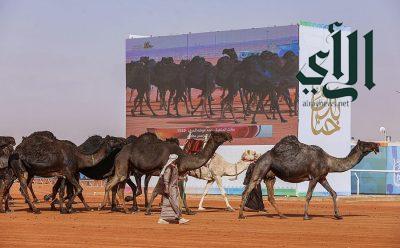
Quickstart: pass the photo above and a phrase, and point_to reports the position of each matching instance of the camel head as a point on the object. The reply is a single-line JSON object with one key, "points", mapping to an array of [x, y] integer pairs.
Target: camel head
{"points": [[230, 52], [144, 59], [250, 156], [221, 137], [267, 55], [114, 142], [167, 60], [367, 147], [289, 55]]}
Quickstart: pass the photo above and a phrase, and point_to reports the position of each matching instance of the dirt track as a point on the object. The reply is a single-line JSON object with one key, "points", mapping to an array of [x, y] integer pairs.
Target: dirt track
{"points": [[371, 222]]}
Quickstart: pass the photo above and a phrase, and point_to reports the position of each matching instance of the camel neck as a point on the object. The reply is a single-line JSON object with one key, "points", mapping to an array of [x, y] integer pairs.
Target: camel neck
{"points": [[238, 168], [346, 163], [195, 161], [209, 149], [86, 161]]}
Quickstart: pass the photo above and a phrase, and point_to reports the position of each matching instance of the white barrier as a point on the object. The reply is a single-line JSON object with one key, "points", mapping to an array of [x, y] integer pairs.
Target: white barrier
{"points": [[374, 171]]}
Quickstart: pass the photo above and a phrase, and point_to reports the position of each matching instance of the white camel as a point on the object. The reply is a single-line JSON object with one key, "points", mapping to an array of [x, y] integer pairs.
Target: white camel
{"points": [[217, 168]]}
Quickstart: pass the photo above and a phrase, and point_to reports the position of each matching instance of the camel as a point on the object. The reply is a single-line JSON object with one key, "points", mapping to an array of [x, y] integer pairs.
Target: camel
{"points": [[295, 162], [224, 69], [188, 162], [6, 174], [100, 171], [170, 76], [217, 168], [138, 76], [42, 154], [200, 74], [147, 154]]}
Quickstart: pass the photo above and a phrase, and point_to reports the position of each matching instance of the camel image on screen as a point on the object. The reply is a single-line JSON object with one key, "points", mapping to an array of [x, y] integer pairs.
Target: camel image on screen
{"points": [[238, 81]]}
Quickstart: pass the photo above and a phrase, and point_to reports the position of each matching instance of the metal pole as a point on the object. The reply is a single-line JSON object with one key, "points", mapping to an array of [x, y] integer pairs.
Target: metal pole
{"points": [[358, 183]]}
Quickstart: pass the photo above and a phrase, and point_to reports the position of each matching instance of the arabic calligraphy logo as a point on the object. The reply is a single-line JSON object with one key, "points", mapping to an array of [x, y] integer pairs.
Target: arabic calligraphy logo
{"points": [[325, 114], [336, 35]]}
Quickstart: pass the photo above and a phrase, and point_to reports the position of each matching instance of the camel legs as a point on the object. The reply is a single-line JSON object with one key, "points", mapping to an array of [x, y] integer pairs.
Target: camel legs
{"points": [[223, 94], [270, 182], [181, 185], [30, 182], [148, 102], [326, 185], [113, 201], [78, 190], [157, 189], [134, 188], [209, 104], [61, 196], [243, 104], [135, 104], [55, 189], [146, 188], [209, 183], [223, 193], [23, 179], [6, 194], [121, 187], [275, 104], [189, 93], [310, 190], [110, 184], [130, 98], [5, 184], [260, 102]]}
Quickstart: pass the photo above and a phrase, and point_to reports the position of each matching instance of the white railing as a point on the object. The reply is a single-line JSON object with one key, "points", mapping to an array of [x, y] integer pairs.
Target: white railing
{"points": [[375, 171]]}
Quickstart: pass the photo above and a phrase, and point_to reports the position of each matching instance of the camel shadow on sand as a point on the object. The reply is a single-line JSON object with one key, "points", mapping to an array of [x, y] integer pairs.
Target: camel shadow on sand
{"points": [[326, 216]]}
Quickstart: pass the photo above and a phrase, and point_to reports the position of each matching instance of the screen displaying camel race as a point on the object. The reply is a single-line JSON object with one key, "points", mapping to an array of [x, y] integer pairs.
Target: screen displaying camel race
{"points": [[241, 81]]}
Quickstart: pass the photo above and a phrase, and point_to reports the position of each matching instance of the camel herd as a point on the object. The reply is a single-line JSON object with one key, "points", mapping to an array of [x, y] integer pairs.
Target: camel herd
{"points": [[259, 79], [116, 159]]}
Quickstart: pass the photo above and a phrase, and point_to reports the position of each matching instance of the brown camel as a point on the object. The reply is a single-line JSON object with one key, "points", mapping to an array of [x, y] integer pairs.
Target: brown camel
{"points": [[6, 174], [42, 154], [296, 162], [147, 154], [189, 162]]}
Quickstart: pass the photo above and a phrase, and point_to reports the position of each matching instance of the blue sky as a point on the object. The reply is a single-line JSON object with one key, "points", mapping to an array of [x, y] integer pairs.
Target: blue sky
{"points": [[62, 62]]}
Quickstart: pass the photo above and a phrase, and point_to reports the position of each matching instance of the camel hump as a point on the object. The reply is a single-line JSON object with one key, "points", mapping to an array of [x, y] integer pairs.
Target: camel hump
{"points": [[288, 146], [6, 140], [147, 137], [131, 139], [46, 134], [91, 145], [37, 148]]}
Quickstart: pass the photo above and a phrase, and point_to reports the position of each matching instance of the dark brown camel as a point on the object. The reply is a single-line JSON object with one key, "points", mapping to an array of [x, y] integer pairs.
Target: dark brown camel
{"points": [[138, 77], [224, 68], [188, 162], [296, 162], [99, 171], [6, 174], [200, 74], [46, 156], [147, 155]]}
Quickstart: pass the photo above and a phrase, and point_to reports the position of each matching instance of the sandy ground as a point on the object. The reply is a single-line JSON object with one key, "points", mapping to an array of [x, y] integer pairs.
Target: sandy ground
{"points": [[368, 222]]}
